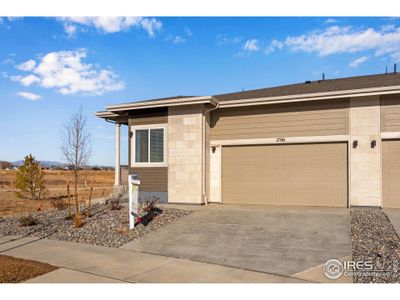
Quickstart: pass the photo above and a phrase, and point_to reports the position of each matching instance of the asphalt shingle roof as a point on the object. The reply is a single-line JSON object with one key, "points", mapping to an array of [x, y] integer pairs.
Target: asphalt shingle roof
{"points": [[319, 86]]}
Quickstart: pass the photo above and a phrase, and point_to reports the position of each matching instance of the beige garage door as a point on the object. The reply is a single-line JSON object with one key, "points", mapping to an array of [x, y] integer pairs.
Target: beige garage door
{"points": [[297, 174], [391, 173]]}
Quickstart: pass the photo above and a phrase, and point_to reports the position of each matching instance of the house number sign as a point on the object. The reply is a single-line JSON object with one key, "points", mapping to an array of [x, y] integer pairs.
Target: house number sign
{"points": [[280, 140]]}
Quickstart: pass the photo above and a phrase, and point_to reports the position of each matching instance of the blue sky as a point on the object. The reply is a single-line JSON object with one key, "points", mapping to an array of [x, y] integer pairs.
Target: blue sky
{"points": [[49, 67]]}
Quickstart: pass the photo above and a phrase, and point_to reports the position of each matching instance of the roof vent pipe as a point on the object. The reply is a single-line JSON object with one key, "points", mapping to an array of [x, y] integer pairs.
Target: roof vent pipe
{"points": [[323, 76], [386, 70], [395, 69]]}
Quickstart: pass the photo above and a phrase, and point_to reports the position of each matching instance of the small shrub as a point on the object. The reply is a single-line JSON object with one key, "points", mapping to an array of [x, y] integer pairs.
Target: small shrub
{"points": [[67, 218], [115, 204], [122, 230], [28, 220], [78, 221], [148, 210], [59, 203], [149, 205]]}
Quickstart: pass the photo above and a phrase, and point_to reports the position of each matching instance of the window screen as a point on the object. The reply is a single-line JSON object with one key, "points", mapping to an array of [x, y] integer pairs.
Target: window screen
{"points": [[142, 145], [156, 145]]}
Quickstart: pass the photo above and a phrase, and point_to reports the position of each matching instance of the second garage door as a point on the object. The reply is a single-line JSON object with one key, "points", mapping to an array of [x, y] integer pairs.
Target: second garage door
{"points": [[296, 174], [391, 173]]}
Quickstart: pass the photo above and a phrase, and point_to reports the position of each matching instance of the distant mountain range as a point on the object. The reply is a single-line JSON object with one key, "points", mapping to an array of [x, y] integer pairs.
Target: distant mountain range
{"points": [[44, 163], [54, 164]]}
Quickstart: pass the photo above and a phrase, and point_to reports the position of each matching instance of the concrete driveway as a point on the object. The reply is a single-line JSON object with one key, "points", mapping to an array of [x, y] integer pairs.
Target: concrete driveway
{"points": [[288, 241]]}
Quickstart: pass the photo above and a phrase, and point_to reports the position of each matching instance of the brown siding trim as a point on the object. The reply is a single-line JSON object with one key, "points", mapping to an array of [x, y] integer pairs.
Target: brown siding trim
{"points": [[147, 117], [152, 179], [390, 113], [283, 120]]}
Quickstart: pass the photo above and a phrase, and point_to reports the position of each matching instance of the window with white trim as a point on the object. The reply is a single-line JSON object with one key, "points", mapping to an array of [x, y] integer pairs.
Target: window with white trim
{"points": [[149, 145]]}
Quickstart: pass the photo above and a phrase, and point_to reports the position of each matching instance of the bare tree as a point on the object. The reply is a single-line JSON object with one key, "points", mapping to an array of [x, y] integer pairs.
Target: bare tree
{"points": [[76, 148]]}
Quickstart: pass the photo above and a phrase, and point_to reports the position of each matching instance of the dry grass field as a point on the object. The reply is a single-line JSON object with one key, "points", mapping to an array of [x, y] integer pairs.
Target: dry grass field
{"points": [[56, 180]]}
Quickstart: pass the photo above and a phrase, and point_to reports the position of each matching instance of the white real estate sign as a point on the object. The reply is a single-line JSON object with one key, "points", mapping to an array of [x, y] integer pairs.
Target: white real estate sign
{"points": [[133, 199]]}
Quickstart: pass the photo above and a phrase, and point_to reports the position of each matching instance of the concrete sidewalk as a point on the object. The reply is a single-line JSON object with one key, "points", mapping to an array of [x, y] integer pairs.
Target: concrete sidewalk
{"points": [[394, 217], [88, 263]]}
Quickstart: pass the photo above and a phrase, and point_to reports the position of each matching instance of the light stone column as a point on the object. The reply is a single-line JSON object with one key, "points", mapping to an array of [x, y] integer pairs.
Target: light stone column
{"points": [[117, 180], [365, 160], [185, 154]]}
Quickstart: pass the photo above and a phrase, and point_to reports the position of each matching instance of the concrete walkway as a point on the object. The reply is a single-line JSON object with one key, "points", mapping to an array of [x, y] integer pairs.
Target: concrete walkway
{"points": [[88, 263], [394, 217]]}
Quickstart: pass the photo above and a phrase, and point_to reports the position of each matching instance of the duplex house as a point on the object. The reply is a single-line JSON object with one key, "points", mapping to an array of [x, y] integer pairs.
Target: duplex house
{"points": [[317, 143]]}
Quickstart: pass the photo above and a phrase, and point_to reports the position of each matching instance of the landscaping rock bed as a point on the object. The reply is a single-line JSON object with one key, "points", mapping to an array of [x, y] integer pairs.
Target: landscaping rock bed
{"points": [[105, 228], [374, 239]]}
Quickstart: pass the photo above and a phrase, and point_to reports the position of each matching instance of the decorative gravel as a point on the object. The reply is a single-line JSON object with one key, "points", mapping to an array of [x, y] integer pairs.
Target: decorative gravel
{"points": [[105, 228], [374, 239]]}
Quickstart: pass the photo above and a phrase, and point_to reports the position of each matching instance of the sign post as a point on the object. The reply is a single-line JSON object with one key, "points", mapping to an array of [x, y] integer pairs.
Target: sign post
{"points": [[133, 199]]}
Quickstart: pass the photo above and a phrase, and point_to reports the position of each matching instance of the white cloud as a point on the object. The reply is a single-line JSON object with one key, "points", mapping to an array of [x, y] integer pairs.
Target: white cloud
{"points": [[70, 30], [28, 80], [223, 40], [111, 24], [66, 72], [8, 61], [26, 66], [29, 96], [188, 31], [178, 39], [355, 63], [275, 44], [337, 39], [330, 21], [252, 45]]}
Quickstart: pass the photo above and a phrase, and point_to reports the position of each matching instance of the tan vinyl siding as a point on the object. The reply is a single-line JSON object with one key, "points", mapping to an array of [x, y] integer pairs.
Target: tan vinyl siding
{"points": [[148, 117], [391, 173], [390, 113], [293, 174], [152, 179], [281, 120]]}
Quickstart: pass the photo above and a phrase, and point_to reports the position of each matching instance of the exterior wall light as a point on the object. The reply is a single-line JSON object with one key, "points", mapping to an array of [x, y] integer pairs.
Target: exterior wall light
{"points": [[355, 144], [373, 144], [213, 148]]}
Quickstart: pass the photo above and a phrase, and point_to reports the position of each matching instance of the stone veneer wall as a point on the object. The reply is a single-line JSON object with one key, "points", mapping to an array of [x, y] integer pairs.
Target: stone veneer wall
{"points": [[185, 154], [364, 161]]}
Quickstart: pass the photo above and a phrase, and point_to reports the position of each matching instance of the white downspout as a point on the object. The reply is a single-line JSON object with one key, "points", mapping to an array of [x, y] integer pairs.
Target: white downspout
{"points": [[203, 141]]}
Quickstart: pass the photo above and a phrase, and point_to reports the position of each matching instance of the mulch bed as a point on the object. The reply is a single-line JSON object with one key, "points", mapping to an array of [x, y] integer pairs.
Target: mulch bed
{"points": [[13, 270], [105, 228], [374, 239]]}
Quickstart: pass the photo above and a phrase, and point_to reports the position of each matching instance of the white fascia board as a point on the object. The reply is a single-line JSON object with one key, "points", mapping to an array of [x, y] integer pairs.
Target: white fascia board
{"points": [[390, 135], [161, 103], [105, 114]]}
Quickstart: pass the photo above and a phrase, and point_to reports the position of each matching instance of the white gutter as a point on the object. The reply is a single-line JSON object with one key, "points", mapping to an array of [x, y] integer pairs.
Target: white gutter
{"points": [[311, 96], [161, 103]]}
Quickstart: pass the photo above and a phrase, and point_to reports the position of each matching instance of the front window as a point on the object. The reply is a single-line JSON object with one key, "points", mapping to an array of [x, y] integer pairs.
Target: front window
{"points": [[149, 145]]}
